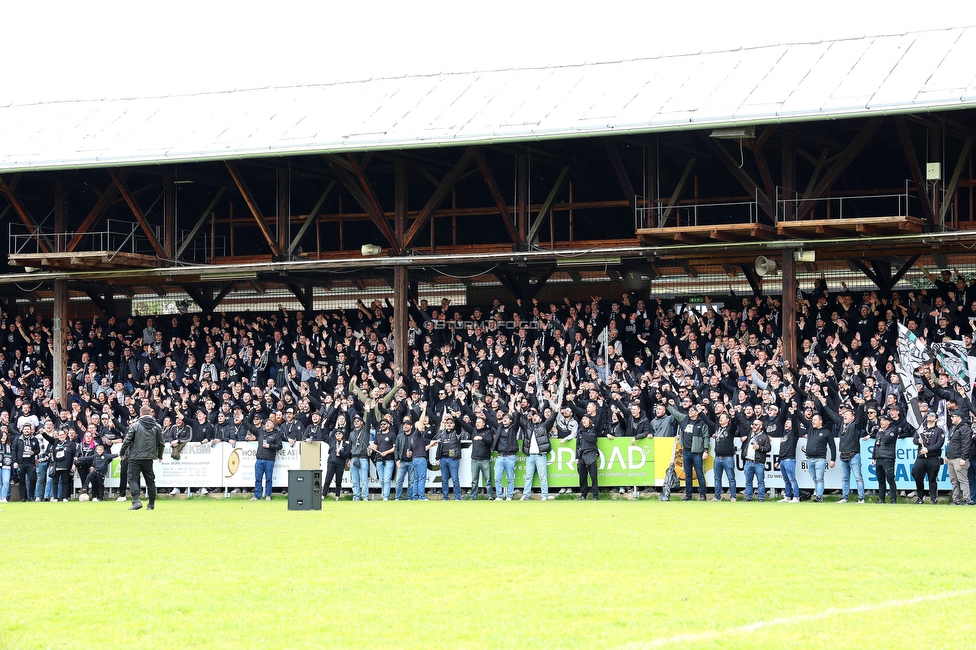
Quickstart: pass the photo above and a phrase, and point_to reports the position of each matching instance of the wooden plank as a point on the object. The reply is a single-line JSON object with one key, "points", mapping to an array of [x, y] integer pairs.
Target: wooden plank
{"points": [[543, 213], [445, 186], [94, 214], [673, 202], [359, 193], [618, 168], [744, 179], [496, 195], [253, 207], [24, 215], [844, 160], [137, 213]]}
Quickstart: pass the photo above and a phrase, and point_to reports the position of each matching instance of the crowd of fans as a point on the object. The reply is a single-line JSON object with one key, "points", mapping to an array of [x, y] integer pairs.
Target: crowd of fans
{"points": [[503, 379]]}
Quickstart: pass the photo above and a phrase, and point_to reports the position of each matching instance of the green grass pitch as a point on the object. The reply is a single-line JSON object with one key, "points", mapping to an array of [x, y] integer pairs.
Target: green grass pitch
{"points": [[211, 573]]}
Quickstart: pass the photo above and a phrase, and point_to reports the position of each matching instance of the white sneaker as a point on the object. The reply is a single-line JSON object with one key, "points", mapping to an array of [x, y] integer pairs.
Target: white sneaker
{"points": [[784, 500], [508, 498], [95, 500], [620, 491], [795, 500], [174, 492], [121, 499], [53, 500], [545, 498], [525, 498], [203, 491], [842, 501]]}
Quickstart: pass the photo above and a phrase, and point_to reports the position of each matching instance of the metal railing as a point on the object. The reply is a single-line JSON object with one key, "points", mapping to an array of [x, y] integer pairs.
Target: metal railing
{"points": [[900, 204], [664, 216], [117, 237]]}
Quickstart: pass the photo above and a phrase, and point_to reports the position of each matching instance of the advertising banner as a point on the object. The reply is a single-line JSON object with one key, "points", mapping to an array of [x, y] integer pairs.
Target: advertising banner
{"points": [[623, 462]]}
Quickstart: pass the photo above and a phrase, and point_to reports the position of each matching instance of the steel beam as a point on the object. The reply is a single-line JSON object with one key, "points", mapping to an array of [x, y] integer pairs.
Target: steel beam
{"points": [[622, 177], [543, 214], [199, 224]]}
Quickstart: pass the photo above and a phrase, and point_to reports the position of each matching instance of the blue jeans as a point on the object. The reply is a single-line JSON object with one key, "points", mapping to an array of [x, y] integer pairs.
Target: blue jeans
{"points": [[450, 470], [724, 465], [359, 468], [44, 488], [791, 488], [263, 469], [693, 461], [853, 465], [757, 471], [418, 481], [405, 471], [5, 482], [817, 468], [504, 465], [385, 469], [536, 463]]}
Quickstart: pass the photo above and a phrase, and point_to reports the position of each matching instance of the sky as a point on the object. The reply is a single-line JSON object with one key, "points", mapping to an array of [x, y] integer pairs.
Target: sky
{"points": [[57, 51]]}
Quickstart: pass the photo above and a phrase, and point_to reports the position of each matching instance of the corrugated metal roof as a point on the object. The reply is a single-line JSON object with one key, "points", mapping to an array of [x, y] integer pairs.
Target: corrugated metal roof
{"points": [[919, 71]]}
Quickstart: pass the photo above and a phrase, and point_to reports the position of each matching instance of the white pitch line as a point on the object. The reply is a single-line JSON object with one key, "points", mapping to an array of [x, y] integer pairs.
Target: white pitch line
{"points": [[799, 618]]}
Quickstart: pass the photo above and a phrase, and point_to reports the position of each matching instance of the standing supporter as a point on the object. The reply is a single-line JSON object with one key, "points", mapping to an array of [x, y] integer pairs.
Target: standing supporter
{"points": [[506, 445], [787, 458], [403, 457], [63, 456], [819, 440], [383, 446], [143, 443], [694, 434], [755, 446], [587, 457], [481, 441], [268, 438], [958, 451], [339, 454], [26, 450], [928, 460], [883, 459], [359, 466], [723, 454], [536, 446], [849, 449], [449, 454]]}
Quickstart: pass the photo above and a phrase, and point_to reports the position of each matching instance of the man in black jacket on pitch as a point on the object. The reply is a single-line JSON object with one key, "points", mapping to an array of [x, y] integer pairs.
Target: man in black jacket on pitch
{"points": [[143, 443]]}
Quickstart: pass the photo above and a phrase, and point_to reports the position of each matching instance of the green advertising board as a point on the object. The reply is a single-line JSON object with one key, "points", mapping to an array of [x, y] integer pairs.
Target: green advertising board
{"points": [[623, 462]]}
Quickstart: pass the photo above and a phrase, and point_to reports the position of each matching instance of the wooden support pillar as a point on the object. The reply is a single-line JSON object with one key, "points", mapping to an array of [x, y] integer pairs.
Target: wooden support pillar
{"points": [[169, 216], [788, 313], [58, 335], [401, 318]]}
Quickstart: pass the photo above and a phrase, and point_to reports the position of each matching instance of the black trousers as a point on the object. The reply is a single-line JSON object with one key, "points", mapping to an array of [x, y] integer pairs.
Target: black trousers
{"points": [[62, 484], [927, 467], [28, 478], [124, 473], [95, 484], [144, 467], [587, 471], [885, 468], [336, 472]]}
